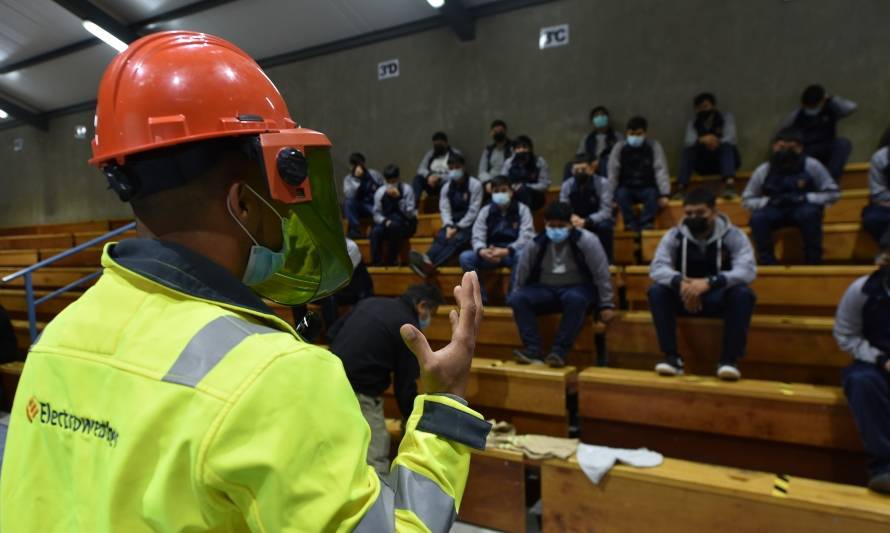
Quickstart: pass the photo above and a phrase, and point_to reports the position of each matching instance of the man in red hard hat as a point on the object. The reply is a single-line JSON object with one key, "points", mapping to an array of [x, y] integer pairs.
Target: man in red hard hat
{"points": [[170, 397]]}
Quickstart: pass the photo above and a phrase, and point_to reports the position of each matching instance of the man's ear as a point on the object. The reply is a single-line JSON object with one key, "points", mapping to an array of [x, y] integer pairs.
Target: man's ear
{"points": [[235, 198]]}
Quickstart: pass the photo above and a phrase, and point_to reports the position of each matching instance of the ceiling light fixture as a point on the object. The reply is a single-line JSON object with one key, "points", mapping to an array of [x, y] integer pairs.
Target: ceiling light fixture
{"points": [[436, 3], [3, 114], [105, 36]]}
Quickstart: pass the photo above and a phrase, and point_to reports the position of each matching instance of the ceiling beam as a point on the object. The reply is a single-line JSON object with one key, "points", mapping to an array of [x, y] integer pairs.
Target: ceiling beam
{"points": [[459, 18], [23, 115], [85, 10]]}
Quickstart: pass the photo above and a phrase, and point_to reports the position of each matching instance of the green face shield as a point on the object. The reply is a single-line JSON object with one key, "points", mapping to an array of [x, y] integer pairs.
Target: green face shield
{"points": [[299, 172]]}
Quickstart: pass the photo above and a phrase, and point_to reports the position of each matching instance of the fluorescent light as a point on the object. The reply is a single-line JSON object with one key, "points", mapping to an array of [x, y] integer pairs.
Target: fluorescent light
{"points": [[436, 3], [106, 37], [3, 114]]}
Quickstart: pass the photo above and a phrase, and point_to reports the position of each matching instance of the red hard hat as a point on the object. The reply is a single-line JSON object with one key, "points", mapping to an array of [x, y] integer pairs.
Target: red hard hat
{"points": [[175, 87]]}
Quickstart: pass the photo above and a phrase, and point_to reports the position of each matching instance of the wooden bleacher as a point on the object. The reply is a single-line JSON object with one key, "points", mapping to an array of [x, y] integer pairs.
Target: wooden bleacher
{"points": [[684, 497], [793, 428]]}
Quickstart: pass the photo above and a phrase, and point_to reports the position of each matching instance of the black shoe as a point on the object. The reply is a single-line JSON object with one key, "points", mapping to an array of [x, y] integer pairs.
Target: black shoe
{"points": [[671, 365], [729, 191], [421, 264], [524, 357], [880, 483], [555, 360]]}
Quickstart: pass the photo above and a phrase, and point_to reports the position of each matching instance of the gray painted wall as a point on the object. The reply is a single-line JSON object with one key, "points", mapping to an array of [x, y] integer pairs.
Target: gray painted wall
{"points": [[635, 56]]}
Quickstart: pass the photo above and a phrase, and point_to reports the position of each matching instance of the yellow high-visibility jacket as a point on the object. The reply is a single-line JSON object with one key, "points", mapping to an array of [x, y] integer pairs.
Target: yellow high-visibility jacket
{"points": [[170, 398]]}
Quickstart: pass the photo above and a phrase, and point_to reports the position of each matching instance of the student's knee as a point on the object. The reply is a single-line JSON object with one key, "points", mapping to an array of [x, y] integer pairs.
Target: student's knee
{"points": [[659, 295], [575, 301], [740, 295], [843, 144], [518, 298], [808, 214], [861, 379], [468, 260]]}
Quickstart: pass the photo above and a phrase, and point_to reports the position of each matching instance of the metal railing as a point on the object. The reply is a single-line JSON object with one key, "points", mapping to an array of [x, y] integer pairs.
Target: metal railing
{"points": [[29, 284]]}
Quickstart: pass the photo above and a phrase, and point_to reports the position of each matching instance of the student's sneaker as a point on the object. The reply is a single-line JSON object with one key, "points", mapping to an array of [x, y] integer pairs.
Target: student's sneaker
{"points": [[555, 360], [728, 372], [729, 191], [421, 264], [880, 483], [524, 357], [671, 365]]}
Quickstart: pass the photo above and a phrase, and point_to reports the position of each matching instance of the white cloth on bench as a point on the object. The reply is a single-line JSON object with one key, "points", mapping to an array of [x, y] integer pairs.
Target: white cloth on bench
{"points": [[596, 461]]}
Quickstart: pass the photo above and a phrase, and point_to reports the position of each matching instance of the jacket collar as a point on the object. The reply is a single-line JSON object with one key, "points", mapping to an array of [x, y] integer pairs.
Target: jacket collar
{"points": [[183, 270]]}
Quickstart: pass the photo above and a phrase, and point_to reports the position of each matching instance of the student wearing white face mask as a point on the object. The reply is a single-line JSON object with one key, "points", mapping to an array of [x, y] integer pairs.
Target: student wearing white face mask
{"points": [[500, 232], [459, 205], [563, 270], [368, 342]]}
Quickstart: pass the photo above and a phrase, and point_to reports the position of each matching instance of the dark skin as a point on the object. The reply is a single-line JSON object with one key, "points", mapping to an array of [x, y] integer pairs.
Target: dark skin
{"points": [[196, 216], [692, 289]]}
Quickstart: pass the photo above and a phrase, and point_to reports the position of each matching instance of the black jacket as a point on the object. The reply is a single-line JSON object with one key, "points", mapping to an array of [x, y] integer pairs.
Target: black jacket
{"points": [[368, 342]]}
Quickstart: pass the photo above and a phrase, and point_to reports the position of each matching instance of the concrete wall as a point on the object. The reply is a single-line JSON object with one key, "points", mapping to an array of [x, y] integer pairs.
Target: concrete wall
{"points": [[635, 56]]}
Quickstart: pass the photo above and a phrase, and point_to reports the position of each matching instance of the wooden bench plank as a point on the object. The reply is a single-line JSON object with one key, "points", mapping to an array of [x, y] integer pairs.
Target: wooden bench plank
{"points": [[798, 428], [69, 227], [680, 497], [14, 302], [50, 277], [786, 348], [808, 290], [90, 257], [842, 243], [18, 258], [24, 242], [82, 237]]}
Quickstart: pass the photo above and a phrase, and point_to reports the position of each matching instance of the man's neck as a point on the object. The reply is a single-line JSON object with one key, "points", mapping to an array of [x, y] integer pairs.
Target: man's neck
{"points": [[221, 248]]}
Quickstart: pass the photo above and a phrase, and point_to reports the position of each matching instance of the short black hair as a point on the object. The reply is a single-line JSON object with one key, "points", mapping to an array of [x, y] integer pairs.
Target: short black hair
{"points": [[599, 109], [812, 95], [440, 136], [524, 140], [704, 97], [789, 135], [498, 122], [583, 158], [424, 293], [499, 181], [457, 159], [356, 158], [699, 196], [391, 171], [638, 123], [558, 211]]}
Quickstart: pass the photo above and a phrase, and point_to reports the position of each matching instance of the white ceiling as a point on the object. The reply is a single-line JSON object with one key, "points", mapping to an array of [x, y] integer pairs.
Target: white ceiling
{"points": [[263, 28]]}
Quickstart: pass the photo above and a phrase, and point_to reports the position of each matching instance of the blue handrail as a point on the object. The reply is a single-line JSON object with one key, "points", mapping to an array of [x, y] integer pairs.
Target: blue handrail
{"points": [[28, 271]]}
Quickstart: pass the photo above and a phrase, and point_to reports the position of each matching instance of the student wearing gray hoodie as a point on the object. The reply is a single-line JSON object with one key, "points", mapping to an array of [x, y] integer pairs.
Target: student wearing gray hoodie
{"points": [[563, 270], [862, 328], [876, 215], [702, 268]]}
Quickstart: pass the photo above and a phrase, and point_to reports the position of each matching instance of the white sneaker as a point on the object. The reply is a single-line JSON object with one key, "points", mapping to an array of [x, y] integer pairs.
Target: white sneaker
{"points": [[670, 366], [728, 373]]}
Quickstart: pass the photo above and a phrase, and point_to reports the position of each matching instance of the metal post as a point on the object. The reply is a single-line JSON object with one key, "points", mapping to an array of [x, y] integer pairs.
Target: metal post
{"points": [[32, 311]]}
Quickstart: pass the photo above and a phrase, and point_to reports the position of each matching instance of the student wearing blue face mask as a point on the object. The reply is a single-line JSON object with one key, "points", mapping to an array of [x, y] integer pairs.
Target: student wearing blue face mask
{"points": [[563, 270], [459, 205], [368, 342], [601, 139], [500, 232], [395, 217], [638, 174], [817, 120]]}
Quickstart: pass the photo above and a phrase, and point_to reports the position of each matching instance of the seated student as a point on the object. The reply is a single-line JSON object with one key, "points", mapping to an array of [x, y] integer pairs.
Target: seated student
{"points": [[589, 196], [817, 120], [361, 286], [563, 270], [702, 268], [710, 146], [459, 205], [433, 168], [791, 189], [500, 232], [601, 139], [638, 173], [368, 342], [359, 187], [861, 328], [529, 174], [395, 217], [494, 155], [876, 215]]}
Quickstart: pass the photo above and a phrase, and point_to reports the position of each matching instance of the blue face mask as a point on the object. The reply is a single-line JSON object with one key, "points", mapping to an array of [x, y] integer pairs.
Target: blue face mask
{"points": [[601, 121], [262, 262], [635, 140], [812, 111], [455, 174], [500, 198], [557, 235]]}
